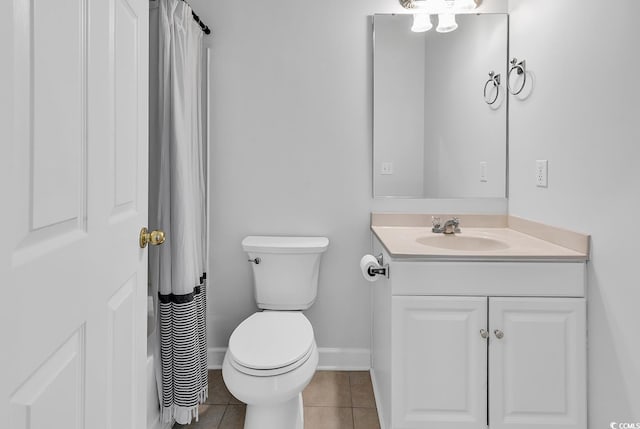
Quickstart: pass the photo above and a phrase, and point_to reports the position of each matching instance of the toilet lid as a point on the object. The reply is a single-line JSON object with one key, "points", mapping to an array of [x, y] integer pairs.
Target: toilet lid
{"points": [[271, 339]]}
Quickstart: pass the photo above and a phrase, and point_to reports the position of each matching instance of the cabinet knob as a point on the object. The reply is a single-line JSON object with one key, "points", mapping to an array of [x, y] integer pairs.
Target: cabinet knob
{"points": [[499, 334], [484, 333]]}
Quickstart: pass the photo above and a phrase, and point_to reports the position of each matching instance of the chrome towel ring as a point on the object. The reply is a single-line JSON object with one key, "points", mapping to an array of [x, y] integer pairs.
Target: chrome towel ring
{"points": [[521, 69], [495, 80]]}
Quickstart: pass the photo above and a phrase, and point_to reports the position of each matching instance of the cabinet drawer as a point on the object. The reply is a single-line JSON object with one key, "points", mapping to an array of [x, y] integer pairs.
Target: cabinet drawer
{"points": [[550, 279]]}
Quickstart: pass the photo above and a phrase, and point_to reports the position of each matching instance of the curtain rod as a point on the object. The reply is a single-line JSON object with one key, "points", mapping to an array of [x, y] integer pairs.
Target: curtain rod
{"points": [[202, 25], [196, 18]]}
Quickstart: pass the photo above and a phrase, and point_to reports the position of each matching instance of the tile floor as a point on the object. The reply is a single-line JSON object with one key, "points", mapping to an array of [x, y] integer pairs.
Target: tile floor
{"points": [[333, 400]]}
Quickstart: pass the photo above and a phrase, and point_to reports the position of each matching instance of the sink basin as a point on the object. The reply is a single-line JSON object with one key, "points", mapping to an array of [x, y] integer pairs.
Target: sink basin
{"points": [[461, 242]]}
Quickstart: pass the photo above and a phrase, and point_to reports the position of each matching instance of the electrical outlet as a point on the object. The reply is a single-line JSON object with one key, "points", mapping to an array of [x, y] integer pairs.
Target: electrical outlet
{"points": [[387, 168], [483, 171], [542, 173]]}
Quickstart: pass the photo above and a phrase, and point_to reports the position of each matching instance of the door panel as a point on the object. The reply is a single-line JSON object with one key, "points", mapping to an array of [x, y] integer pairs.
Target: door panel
{"points": [[74, 197], [125, 107], [50, 123], [439, 362], [121, 329], [53, 395], [57, 106], [538, 369]]}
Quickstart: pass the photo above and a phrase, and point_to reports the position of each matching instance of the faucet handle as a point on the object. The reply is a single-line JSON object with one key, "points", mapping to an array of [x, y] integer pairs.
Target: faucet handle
{"points": [[456, 225], [435, 221]]}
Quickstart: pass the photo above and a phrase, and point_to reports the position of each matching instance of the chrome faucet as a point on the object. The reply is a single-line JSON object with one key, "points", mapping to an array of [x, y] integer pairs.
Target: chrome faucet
{"points": [[450, 226]]}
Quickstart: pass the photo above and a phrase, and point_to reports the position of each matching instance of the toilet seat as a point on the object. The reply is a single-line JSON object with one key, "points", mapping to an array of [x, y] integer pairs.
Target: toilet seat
{"points": [[271, 372], [271, 343]]}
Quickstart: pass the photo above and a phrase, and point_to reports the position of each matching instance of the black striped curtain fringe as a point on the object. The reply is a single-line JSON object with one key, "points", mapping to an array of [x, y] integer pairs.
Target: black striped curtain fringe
{"points": [[183, 351]]}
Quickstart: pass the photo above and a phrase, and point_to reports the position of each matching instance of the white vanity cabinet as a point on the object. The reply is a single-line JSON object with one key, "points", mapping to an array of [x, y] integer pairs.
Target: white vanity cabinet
{"points": [[470, 345], [537, 369], [439, 362]]}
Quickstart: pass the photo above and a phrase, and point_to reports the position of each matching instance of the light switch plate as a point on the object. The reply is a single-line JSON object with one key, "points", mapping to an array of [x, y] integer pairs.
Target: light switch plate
{"points": [[542, 173], [387, 168], [483, 171]]}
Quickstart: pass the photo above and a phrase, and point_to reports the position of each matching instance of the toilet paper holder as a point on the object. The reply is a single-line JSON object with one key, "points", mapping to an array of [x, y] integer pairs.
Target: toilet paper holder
{"points": [[383, 270]]}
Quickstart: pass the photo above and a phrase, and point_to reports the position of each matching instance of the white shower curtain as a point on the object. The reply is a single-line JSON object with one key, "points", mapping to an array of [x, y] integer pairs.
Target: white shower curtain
{"points": [[177, 188]]}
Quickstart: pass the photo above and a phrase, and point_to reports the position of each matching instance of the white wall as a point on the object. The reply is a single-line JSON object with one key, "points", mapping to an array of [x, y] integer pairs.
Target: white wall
{"points": [[6, 169], [291, 151], [583, 116], [398, 114], [461, 130]]}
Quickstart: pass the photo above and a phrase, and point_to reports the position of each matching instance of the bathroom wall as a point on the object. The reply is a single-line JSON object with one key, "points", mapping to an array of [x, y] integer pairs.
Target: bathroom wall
{"points": [[461, 130], [291, 150], [583, 117], [399, 64]]}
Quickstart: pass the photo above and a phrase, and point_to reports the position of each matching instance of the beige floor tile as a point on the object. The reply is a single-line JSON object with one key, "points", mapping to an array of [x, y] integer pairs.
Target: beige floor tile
{"points": [[361, 389], [235, 401], [209, 417], [233, 417], [328, 418], [328, 401], [328, 389], [218, 393], [365, 418]]}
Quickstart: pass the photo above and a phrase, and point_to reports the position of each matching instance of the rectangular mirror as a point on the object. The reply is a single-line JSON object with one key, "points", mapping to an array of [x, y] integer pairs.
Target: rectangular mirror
{"points": [[436, 132]]}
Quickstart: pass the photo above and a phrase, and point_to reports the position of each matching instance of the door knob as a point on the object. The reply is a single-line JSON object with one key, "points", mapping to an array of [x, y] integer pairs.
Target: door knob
{"points": [[484, 333], [154, 238], [499, 334]]}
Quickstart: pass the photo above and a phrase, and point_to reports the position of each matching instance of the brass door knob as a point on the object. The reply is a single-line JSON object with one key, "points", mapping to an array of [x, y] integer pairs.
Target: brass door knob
{"points": [[154, 238]]}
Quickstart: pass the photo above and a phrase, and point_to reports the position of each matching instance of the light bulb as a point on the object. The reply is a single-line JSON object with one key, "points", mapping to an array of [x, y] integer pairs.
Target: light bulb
{"points": [[421, 23], [466, 4], [446, 22]]}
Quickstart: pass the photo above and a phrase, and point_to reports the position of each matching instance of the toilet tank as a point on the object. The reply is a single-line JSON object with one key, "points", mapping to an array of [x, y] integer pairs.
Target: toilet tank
{"points": [[286, 277]]}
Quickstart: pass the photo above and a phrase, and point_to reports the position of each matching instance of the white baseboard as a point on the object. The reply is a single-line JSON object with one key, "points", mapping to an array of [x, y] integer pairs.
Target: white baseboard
{"points": [[344, 359], [377, 399], [159, 425], [215, 356], [337, 359]]}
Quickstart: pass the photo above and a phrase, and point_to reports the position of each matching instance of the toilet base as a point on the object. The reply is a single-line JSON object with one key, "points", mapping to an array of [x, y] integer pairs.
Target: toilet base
{"points": [[273, 402], [285, 415]]}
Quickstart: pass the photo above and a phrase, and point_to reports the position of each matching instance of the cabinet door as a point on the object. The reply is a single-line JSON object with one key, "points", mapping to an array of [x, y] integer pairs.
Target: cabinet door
{"points": [[538, 368], [439, 362]]}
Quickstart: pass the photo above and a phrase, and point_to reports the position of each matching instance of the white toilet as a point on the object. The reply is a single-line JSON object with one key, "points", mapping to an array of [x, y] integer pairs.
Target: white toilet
{"points": [[272, 354]]}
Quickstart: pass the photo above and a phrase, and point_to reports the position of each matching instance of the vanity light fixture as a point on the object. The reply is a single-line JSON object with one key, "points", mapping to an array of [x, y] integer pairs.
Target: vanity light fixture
{"points": [[446, 23], [445, 9], [466, 4], [447, 17], [458, 4], [421, 23]]}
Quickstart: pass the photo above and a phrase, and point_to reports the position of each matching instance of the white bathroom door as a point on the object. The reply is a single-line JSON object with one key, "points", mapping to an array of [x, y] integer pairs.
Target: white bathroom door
{"points": [[73, 189]]}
